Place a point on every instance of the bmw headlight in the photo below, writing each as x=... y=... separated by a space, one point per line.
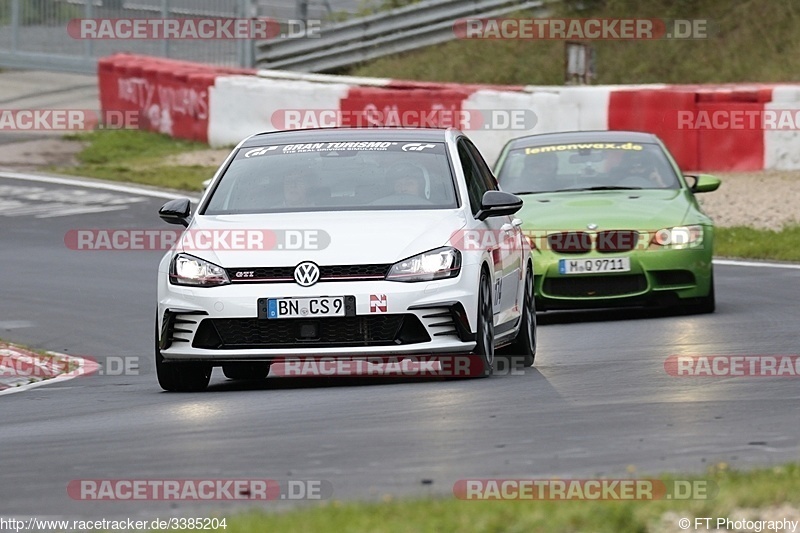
x=441 y=263
x=679 y=237
x=188 y=270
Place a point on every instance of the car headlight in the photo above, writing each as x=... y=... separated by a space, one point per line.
x=441 y=263
x=679 y=236
x=187 y=270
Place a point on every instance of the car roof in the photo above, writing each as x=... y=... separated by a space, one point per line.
x=351 y=134
x=583 y=137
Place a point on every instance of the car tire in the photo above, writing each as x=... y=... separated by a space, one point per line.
x=705 y=304
x=524 y=346
x=708 y=303
x=484 y=334
x=181 y=377
x=242 y=371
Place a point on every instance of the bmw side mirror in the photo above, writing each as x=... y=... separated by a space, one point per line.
x=498 y=203
x=704 y=183
x=176 y=211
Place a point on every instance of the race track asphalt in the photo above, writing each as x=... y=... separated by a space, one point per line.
x=597 y=402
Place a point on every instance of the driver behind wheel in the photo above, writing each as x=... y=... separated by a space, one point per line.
x=407 y=180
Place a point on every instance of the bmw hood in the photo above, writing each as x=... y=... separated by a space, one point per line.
x=334 y=238
x=648 y=210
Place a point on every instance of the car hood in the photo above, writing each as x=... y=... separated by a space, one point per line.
x=636 y=209
x=345 y=237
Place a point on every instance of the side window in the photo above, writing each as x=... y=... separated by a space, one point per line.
x=476 y=185
x=485 y=171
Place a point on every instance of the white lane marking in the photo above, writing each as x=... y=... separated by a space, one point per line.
x=16 y=324
x=41 y=202
x=80 y=363
x=95 y=185
x=759 y=264
x=82 y=211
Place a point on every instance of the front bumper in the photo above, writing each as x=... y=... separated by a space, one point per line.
x=221 y=324
x=656 y=277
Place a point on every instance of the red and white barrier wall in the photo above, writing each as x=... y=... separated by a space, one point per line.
x=166 y=96
x=222 y=105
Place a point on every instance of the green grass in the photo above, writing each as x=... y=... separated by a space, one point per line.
x=745 y=48
x=755 y=489
x=138 y=157
x=741 y=241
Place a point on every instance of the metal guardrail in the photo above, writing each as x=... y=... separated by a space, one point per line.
x=33 y=34
x=399 y=30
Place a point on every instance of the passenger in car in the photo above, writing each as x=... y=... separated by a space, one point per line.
x=646 y=169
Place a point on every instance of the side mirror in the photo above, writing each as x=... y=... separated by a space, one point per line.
x=176 y=211
x=704 y=183
x=498 y=203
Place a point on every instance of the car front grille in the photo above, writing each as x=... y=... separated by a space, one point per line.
x=285 y=274
x=352 y=331
x=595 y=286
x=570 y=242
x=579 y=242
x=616 y=241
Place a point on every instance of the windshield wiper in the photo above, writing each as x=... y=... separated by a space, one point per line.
x=596 y=188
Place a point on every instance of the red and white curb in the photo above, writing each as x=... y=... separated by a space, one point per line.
x=22 y=369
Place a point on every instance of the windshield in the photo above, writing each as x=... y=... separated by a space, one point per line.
x=587 y=166
x=335 y=176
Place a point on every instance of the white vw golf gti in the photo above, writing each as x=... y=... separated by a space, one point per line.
x=342 y=243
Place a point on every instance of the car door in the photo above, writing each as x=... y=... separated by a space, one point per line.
x=501 y=235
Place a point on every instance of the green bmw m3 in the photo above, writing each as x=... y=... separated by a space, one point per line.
x=612 y=221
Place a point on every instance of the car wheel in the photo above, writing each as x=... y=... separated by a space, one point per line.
x=238 y=371
x=524 y=345
x=181 y=377
x=484 y=348
x=706 y=304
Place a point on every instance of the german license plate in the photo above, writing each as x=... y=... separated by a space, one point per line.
x=319 y=307
x=590 y=266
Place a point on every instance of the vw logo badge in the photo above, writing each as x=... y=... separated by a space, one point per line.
x=306 y=274
x=591 y=225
